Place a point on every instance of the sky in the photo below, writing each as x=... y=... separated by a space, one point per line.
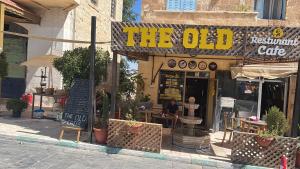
x=136 y=9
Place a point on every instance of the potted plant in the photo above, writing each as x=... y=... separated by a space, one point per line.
x=17 y=106
x=100 y=127
x=265 y=138
x=277 y=125
x=277 y=121
x=134 y=127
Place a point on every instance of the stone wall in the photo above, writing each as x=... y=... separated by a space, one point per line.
x=102 y=11
x=218 y=12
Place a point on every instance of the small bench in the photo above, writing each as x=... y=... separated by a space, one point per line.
x=63 y=128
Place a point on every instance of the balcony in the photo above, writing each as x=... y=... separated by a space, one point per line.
x=35 y=5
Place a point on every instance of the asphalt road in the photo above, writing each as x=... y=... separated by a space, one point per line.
x=24 y=155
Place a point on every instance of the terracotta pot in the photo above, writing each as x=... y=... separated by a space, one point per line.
x=298 y=159
x=134 y=129
x=264 y=141
x=100 y=135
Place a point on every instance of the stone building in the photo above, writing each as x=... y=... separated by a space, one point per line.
x=209 y=86
x=60 y=19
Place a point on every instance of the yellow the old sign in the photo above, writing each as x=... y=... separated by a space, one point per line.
x=192 y=38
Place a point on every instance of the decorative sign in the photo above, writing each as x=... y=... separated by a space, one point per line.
x=212 y=66
x=260 y=43
x=192 y=64
x=182 y=64
x=273 y=46
x=202 y=65
x=171 y=63
x=76 y=109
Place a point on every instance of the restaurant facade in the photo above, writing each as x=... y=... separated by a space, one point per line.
x=219 y=52
x=252 y=66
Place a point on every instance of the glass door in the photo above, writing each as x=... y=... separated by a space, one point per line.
x=247 y=97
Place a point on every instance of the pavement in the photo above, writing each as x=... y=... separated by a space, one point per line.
x=36 y=135
x=25 y=155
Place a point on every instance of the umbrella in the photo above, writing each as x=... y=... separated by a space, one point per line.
x=42 y=61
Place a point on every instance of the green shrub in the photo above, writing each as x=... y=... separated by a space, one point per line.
x=17 y=106
x=276 y=121
x=76 y=64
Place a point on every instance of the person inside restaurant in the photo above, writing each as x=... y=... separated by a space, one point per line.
x=172 y=110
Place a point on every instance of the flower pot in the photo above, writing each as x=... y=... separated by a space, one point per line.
x=17 y=114
x=39 y=90
x=134 y=129
x=298 y=159
x=100 y=135
x=264 y=141
x=49 y=91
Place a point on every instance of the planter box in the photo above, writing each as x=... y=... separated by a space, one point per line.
x=246 y=150
x=148 y=138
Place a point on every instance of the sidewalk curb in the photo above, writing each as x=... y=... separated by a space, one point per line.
x=110 y=150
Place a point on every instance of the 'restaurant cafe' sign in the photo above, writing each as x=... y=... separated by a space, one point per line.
x=264 y=42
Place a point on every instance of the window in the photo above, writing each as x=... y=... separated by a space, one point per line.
x=113 y=9
x=270 y=9
x=170 y=86
x=95 y=2
x=181 y=5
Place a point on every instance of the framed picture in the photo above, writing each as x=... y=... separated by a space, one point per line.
x=182 y=64
x=171 y=63
x=202 y=65
x=192 y=64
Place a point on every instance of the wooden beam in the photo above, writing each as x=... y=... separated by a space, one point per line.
x=296 y=115
x=114 y=87
x=2 y=13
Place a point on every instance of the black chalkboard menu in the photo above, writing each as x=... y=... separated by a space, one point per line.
x=76 y=109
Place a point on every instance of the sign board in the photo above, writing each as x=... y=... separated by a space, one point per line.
x=267 y=43
x=76 y=109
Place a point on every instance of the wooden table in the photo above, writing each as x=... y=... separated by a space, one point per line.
x=41 y=100
x=248 y=125
x=147 y=114
x=166 y=117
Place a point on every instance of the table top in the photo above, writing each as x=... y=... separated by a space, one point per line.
x=259 y=122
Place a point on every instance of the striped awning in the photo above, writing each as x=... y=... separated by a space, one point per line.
x=268 y=71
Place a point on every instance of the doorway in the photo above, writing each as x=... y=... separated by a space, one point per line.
x=197 y=87
x=272 y=95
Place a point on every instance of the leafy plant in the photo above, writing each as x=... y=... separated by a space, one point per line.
x=276 y=121
x=267 y=133
x=133 y=124
x=128 y=14
x=75 y=64
x=17 y=106
x=103 y=107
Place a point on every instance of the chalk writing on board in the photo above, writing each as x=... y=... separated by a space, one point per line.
x=76 y=109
